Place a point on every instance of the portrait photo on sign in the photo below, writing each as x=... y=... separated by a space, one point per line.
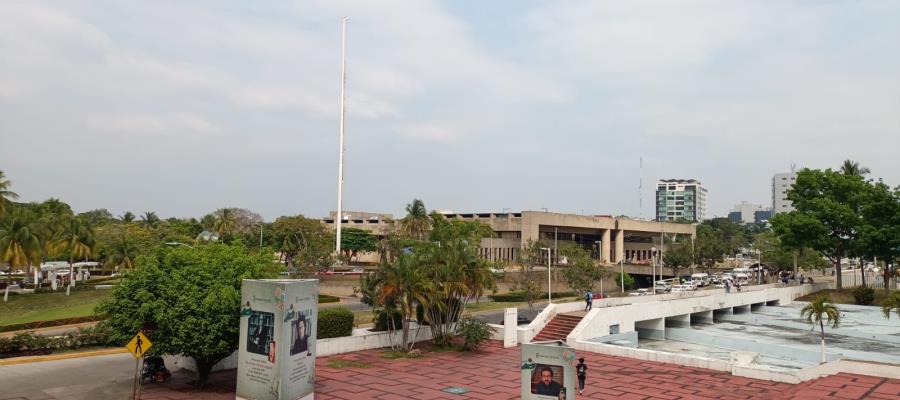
x=300 y=326
x=547 y=380
x=260 y=332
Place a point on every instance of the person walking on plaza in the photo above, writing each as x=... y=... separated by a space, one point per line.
x=728 y=286
x=588 y=301
x=581 y=369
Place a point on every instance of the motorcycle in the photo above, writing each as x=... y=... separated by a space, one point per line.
x=155 y=370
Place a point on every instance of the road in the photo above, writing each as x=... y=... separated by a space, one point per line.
x=89 y=378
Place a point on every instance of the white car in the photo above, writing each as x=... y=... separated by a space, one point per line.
x=682 y=288
x=640 y=292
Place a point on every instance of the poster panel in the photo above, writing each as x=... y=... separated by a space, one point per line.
x=548 y=371
x=276 y=350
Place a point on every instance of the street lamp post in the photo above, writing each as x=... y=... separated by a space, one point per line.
x=549 y=287
x=599 y=250
x=653 y=269
x=340 y=202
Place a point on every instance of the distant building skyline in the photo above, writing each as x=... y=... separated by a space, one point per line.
x=781 y=183
x=680 y=199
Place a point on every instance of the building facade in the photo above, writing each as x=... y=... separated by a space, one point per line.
x=747 y=213
x=609 y=239
x=781 y=183
x=680 y=200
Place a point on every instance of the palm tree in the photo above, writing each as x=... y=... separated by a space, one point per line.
x=150 y=219
x=79 y=241
x=19 y=243
x=128 y=217
x=816 y=310
x=5 y=193
x=891 y=304
x=405 y=281
x=122 y=252
x=225 y=221
x=416 y=223
x=852 y=168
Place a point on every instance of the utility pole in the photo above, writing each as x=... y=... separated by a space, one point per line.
x=340 y=202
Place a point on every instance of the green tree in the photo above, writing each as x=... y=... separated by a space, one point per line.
x=186 y=300
x=880 y=231
x=581 y=274
x=852 y=168
x=405 y=281
x=5 y=194
x=226 y=223
x=817 y=312
x=526 y=282
x=626 y=281
x=709 y=247
x=355 y=240
x=150 y=219
x=892 y=303
x=305 y=244
x=119 y=245
x=19 y=243
x=678 y=257
x=827 y=214
x=100 y=216
x=128 y=217
x=79 y=241
x=416 y=223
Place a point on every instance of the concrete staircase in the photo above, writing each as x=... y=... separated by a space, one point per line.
x=559 y=327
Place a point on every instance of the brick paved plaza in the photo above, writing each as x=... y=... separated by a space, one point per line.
x=494 y=374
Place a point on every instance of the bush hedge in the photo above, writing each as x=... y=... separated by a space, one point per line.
x=864 y=296
x=474 y=332
x=45 y=324
x=25 y=344
x=519 y=296
x=382 y=323
x=334 y=322
x=324 y=298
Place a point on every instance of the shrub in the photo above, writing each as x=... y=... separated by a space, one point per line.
x=44 y=324
x=29 y=343
x=420 y=312
x=382 y=323
x=520 y=296
x=474 y=332
x=864 y=296
x=334 y=322
x=324 y=298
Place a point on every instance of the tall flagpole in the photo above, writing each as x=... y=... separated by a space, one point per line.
x=339 y=216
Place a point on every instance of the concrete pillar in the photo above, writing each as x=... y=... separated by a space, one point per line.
x=651 y=329
x=703 y=317
x=604 y=246
x=679 y=321
x=510 y=327
x=620 y=245
x=722 y=312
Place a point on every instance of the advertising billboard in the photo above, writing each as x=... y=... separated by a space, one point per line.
x=277 y=348
x=548 y=371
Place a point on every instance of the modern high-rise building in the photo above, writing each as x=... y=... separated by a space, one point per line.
x=746 y=213
x=680 y=199
x=781 y=183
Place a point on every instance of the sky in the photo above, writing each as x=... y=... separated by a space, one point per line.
x=185 y=107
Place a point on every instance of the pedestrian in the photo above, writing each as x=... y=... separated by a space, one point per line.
x=581 y=369
x=588 y=301
x=728 y=286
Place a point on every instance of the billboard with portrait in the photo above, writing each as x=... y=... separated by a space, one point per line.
x=277 y=348
x=548 y=371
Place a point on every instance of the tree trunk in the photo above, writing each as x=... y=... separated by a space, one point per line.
x=822 y=328
x=838 y=284
x=862 y=272
x=204 y=366
x=406 y=345
x=71 y=279
x=886 y=272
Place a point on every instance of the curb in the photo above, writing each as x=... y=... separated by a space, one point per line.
x=65 y=356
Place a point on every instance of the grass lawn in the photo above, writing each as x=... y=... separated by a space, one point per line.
x=845 y=296
x=24 y=308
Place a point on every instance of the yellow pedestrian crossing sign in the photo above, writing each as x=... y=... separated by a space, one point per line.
x=139 y=345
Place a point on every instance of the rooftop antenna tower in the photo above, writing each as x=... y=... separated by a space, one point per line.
x=641 y=189
x=793 y=167
x=340 y=202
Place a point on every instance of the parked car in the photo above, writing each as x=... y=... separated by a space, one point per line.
x=682 y=288
x=640 y=292
x=700 y=279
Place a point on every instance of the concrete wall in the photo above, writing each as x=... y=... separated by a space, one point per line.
x=677 y=307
